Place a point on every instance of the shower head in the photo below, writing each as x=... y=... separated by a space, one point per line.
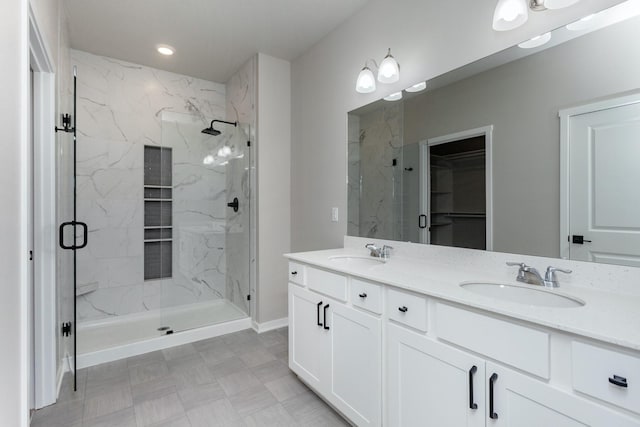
x=215 y=132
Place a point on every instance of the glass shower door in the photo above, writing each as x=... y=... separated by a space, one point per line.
x=205 y=250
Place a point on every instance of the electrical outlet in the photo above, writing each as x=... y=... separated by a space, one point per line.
x=334 y=214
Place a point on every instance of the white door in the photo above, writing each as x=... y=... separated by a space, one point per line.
x=431 y=384
x=356 y=369
x=604 y=197
x=521 y=401
x=308 y=339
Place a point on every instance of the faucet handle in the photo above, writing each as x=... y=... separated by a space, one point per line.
x=516 y=264
x=370 y=245
x=550 y=275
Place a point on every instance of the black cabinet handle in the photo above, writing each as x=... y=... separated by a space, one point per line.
x=325 y=317
x=472 y=404
x=293 y=273
x=619 y=381
x=318 y=312
x=403 y=309
x=492 y=381
x=362 y=295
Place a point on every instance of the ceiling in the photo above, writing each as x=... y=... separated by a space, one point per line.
x=212 y=38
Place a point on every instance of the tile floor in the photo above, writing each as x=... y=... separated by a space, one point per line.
x=240 y=379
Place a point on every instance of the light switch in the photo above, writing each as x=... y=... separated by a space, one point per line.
x=334 y=214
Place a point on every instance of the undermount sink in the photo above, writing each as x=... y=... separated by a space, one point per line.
x=523 y=295
x=355 y=261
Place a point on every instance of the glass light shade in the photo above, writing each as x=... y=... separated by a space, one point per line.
x=366 y=83
x=396 y=96
x=582 y=24
x=389 y=71
x=559 y=4
x=417 y=87
x=536 y=41
x=510 y=14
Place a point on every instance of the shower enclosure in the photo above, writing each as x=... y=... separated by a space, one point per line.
x=168 y=241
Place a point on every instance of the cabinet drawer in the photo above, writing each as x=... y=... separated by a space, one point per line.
x=515 y=345
x=331 y=284
x=366 y=295
x=594 y=369
x=296 y=273
x=407 y=308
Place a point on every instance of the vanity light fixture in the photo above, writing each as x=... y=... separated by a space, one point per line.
x=536 y=41
x=388 y=72
x=582 y=24
x=396 y=96
x=510 y=14
x=165 y=49
x=417 y=87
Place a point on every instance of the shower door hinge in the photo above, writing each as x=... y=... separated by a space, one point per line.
x=248 y=143
x=248 y=297
x=66 y=329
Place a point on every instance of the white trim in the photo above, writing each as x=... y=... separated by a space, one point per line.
x=565 y=157
x=487 y=132
x=270 y=325
x=44 y=214
x=160 y=343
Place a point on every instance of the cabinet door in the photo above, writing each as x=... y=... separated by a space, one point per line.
x=308 y=341
x=356 y=368
x=432 y=384
x=519 y=400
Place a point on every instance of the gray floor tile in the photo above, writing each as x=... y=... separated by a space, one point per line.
x=286 y=387
x=97 y=388
x=252 y=400
x=272 y=338
x=218 y=413
x=271 y=370
x=192 y=375
x=280 y=351
x=154 y=356
x=106 y=371
x=201 y=395
x=158 y=410
x=153 y=389
x=210 y=343
x=273 y=416
x=58 y=415
x=240 y=381
x=179 y=351
x=123 y=418
x=147 y=372
x=107 y=403
x=306 y=406
x=227 y=367
x=257 y=357
x=179 y=421
x=216 y=354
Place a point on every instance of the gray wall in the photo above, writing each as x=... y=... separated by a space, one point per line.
x=426 y=39
x=522 y=99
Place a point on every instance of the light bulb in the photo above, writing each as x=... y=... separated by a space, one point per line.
x=510 y=14
x=389 y=71
x=164 y=49
x=366 y=83
x=396 y=96
x=208 y=159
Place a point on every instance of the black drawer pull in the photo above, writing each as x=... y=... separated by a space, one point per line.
x=492 y=381
x=472 y=404
x=362 y=295
x=325 y=317
x=403 y=309
x=293 y=273
x=619 y=381
x=318 y=312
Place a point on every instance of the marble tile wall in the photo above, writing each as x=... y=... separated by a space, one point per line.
x=380 y=203
x=241 y=232
x=121 y=107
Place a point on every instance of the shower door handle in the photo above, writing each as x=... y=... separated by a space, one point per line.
x=85 y=233
x=421 y=218
x=235 y=204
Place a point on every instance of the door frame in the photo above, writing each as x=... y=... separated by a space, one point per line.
x=565 y=157
x=44 y=214
x=425 y=184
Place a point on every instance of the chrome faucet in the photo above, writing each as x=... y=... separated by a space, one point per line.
x=530 y=275
x=384 y=252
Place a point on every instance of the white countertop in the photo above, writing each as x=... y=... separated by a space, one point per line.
x=610 y=317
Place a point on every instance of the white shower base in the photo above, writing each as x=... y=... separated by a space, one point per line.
x=119 y=337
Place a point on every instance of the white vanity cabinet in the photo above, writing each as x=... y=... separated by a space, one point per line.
x=336 y=349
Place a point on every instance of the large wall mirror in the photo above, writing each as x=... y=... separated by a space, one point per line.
x=533 y=150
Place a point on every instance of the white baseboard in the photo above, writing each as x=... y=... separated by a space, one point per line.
x=160 y=343
x=270 y=325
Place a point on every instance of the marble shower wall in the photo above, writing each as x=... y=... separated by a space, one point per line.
x=380 y=202
x=120 y=109
x=241 y=257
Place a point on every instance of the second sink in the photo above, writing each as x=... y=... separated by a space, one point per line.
x=523 y=295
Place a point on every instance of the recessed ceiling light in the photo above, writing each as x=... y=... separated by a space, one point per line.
x=417 y=87
x=582 y=24
x=164 y=49
x=393 y=97
x=536 y=41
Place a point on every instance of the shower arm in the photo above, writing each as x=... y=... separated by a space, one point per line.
x=235 y=124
